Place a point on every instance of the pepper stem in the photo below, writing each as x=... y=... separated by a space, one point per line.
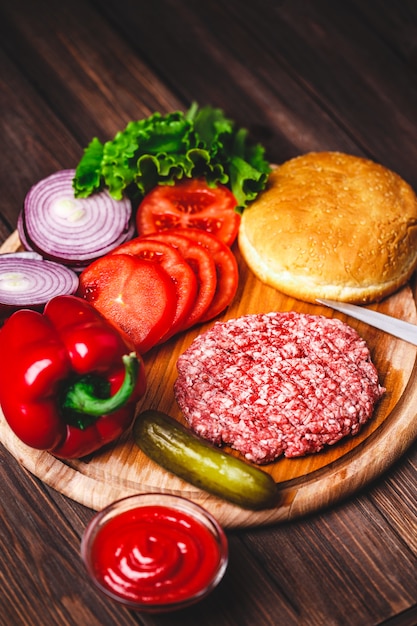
x=82 y=396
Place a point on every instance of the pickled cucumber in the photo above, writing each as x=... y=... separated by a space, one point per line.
x=178 y=450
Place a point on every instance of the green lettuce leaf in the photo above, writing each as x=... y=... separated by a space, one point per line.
x=162 y=149
x=88 y=173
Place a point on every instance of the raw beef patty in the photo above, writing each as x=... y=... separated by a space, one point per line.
x=277 y=383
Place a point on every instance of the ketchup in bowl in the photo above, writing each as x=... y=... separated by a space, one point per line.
x=155 y=552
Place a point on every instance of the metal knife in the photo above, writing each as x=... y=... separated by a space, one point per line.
x=393 y=326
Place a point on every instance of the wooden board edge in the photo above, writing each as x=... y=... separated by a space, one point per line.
x=298 y=497
x=11 y=244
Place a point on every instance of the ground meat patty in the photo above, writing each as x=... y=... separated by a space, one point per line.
x=277 y=383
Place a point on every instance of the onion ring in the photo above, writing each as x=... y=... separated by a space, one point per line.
x=69 y=230
x=77 y=268
x=27 y=281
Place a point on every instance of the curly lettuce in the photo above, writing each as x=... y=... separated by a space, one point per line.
x=162 y=149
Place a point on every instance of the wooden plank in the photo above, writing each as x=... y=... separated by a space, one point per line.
x=305 y=82
x=30 y=156
x=59 y=49
x=307 y=552
x=396 y=28
x=41 y=541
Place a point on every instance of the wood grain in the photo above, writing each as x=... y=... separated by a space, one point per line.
x=306 y=484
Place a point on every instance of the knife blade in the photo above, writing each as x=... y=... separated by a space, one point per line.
x=396 y=327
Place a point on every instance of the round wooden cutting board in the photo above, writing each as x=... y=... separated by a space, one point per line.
x=305 y=485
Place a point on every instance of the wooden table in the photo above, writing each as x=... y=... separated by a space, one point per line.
x=301 y=76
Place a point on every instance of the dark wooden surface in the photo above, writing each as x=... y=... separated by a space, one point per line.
x=301 y=76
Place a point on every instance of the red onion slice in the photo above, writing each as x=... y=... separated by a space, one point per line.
x=72 y=230
x=22 y=234
x=130 y=233
x=30 y=282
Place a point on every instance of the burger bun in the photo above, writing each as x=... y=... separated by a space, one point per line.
x=332 y=225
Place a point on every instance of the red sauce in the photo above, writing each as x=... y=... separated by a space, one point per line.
x=155 y=555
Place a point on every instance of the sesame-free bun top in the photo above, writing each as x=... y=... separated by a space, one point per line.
x=332 y=225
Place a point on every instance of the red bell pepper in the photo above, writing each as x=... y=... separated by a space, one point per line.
x=69 y=382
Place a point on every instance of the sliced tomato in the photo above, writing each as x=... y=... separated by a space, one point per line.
x=226 y=270
x=190 y=203
x=176 y=266
x=138 y=297
x=202 y=263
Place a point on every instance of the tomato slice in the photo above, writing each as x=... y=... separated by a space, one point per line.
x=190 y=203
x=138 y=297
x=176 y=266
x=202 y=263
x=227 y=271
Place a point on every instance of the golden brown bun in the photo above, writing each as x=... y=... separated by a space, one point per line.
x=332 y=225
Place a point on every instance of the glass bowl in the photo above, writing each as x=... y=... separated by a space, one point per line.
x=155 y=552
